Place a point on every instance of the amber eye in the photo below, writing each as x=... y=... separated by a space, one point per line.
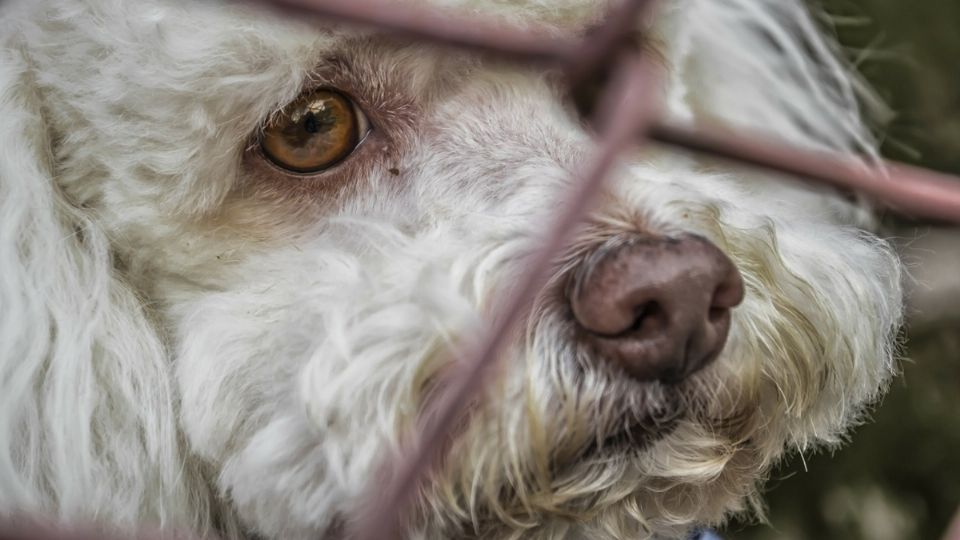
x=313 y=133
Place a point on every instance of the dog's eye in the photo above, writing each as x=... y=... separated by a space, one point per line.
x=315 y=132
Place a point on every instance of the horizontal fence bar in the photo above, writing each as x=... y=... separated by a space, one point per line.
x=908 y=190
x=916 y=192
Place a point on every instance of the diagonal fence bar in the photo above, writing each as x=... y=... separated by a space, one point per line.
x=623 y=117
x=910 y=190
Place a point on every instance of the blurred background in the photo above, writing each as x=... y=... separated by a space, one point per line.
x=900 y=476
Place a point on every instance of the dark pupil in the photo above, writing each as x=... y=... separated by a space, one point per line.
x=313 y=123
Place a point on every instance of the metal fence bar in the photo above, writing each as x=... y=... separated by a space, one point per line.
x=921 y=193
x=633 y=116
x=626 y=114
x=33 y=529
x=906 y=189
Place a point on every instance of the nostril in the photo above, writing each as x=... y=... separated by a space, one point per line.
x=716 y=314
x=658 y=307
x=648 y=318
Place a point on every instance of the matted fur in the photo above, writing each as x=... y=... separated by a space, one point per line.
x=192 y=339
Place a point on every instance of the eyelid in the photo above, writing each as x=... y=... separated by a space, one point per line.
x=364 y=126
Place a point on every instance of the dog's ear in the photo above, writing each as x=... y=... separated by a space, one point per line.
x=793 y=81
x=87 y=418
x=768 y=67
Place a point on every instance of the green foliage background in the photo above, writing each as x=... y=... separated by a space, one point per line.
x=910 y=51
x=900 y=477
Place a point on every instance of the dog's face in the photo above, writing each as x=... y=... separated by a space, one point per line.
x=319 y=218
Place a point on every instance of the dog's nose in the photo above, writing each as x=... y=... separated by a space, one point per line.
x=657 y=306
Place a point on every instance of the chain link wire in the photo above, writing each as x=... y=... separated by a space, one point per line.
x=620 y=80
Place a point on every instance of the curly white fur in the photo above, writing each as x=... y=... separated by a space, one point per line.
x=191 y=339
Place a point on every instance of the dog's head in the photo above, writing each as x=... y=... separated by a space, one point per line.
x=240 y=253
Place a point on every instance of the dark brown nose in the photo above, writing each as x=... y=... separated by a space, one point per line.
x=657 y=306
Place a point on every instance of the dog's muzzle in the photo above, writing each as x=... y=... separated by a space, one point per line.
x=659 y=307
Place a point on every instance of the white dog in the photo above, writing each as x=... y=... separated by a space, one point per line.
x=239 y=252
